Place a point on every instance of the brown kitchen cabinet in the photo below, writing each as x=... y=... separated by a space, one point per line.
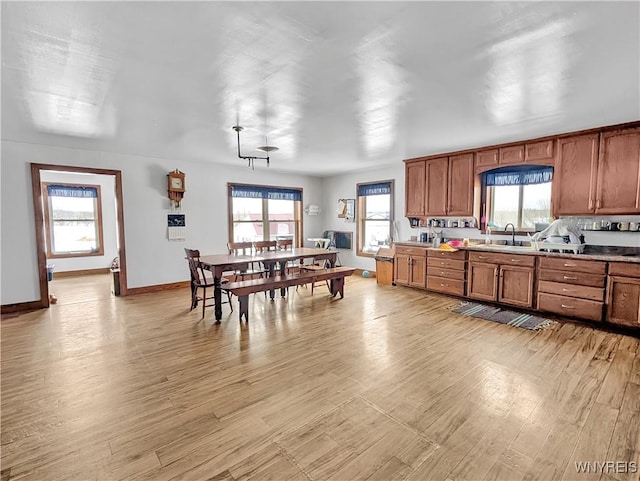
x=414 y=192
x=503 y=278
x=446 y=271
x=539 y=152
x=436 y=186
x=486 y=159
x=574 y=176
x=618 y=181
x=513 y=154
x=515 y=286
x=410 y=266
x=449 y=186
x=571 y=287
x=482 y=281
x=623 y=294
x=598 y=174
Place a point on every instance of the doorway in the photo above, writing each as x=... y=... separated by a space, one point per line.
x=48 y=248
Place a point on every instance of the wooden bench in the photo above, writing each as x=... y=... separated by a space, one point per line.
x=242 y=289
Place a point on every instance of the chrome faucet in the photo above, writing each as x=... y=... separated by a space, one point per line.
x=513 y=233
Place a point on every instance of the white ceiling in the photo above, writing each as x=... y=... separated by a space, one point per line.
x=336 y=86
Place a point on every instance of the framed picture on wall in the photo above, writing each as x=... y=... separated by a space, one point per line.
x=346 y=209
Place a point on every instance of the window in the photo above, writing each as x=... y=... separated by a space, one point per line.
x=259 y=213
x=521 y=196
x=375 y=217
x=73 y=220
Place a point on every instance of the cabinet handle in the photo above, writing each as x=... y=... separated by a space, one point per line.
x=590 y=203
x=567 y=307
x=598 y=204
x=567 y=290
x=442 y=273
x=444 y=285
x=516 y=260
x=570 y=278
x=482 y=257
x=570 y=265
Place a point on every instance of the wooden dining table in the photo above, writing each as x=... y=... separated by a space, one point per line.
x=274 y=261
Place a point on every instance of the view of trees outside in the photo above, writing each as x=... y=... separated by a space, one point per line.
x=73 y=222
x=377 y=222
x=249 y=224
x=535 y=208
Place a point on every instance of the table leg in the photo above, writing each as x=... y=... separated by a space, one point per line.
x=283 y=272
x=272 y=273
x=217 y=298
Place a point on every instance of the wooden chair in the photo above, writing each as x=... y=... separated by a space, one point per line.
x=201 y=279
x=245 y=249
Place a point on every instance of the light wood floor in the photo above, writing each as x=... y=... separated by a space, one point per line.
x=384 y=384
x=83 y=288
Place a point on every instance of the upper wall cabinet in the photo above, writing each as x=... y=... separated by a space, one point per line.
x=440 y=186
x=450 y=186
x=618 y=184
x=574 y=176
x=539 y=153
x=414 y=192
x=590 y=182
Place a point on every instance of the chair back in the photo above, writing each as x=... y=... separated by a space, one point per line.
x=285 y=244
x=195 y=268
x=262 y=246
x=240 y=248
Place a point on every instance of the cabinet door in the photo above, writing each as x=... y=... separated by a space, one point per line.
x=511 y=155
x=618 y=189
x=623 y=301
x=486 y=159
x=460 y=193
x=539 y=152
x=574 y=176
x=414 y=177
x=402 y=269
x=516 y=286
x=418 y=272
x=482 y=281
x=436 y=197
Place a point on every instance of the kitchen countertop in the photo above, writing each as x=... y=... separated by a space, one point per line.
x=594 y=256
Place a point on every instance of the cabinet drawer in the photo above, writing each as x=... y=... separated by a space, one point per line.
x=566 y=277
x=459 y=255
x=450 y=286
x=582 y=292
x=570 y=306
x=445 y=263
x=446 y=273
x=627 y=269
x=573 y=265
x=411 y=251
x=504 y=259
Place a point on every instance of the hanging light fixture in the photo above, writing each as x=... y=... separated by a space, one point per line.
x=265 y=148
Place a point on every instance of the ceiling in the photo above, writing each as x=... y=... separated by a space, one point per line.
x=337 y=86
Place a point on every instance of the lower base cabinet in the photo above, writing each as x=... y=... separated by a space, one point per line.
x=516 y=286
x=482 y=281
x=623 y=294
x=496 y=278
x=570 y=306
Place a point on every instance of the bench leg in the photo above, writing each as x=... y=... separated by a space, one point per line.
x=243 y=308
x=337 y=287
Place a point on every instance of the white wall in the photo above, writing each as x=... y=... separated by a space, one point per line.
x=151 y=258
x=344 y=187
x=109 y=226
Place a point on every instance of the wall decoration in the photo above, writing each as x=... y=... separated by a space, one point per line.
x=176 y=227
x=346 y=209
